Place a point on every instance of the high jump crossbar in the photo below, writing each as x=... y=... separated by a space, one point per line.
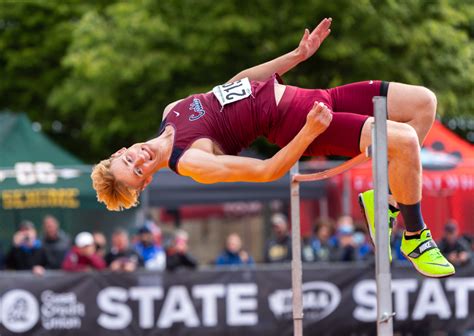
x=378 y=151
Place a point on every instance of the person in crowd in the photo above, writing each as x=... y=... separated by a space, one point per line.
x=153 y=255
x=320 y=247
x=278 y=248
x=363 y=245
x=346 y=249
x=155 y=230
x=342 y=221
x=121 y=256
x=100 y=243
x=26 y=252
x=83 y=257
x=56 y=243
x=455 y=247
x=177 y=255
x=233 y=253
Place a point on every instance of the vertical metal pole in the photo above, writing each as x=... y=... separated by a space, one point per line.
x=380 y=176
x=346 y=194
x=296 y=271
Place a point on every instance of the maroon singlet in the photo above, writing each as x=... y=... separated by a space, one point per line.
x=232 y=127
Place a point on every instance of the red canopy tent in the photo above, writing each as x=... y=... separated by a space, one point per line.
x=448 y=181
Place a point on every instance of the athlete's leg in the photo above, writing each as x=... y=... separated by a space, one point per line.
x=414 y=105
x=404 y=170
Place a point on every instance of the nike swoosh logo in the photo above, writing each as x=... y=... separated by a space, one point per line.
x=443 y=265
x=177 y=113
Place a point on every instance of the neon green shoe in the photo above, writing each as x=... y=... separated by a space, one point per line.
x=426 y=257
x=366 y=202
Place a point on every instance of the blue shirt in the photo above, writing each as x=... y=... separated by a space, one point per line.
x=148 y=252
x=229 y=258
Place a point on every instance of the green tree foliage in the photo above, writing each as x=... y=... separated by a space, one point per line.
x=107 y=70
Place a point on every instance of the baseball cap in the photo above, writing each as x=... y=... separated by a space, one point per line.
x=450 y=227
x=144 y=229
x=84 y=239
x=279 y=220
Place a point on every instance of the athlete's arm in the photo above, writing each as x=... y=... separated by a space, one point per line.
x=308 y=45
x=205 y=167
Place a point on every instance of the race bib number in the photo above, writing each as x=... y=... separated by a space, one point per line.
x=232 y=92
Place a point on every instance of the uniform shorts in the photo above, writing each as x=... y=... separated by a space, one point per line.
x=351 y=105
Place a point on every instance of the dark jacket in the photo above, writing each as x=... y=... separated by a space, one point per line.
x=278 y=251
x=128 y=254
x=176 y=260
x=56 y=250
x=24 y=257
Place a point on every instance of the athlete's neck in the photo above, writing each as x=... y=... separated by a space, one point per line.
x=162 y=146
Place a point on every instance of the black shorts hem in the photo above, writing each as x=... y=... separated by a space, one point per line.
x=384 y=88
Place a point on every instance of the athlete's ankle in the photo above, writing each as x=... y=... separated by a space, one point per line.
x=412 y=233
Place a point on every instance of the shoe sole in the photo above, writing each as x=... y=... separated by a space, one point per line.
x=369 y=227
x=435 y=276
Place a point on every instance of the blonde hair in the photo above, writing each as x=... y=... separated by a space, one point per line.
x=113 y=193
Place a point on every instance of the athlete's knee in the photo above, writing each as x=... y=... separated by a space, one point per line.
x=403 y=140
x=427 y=102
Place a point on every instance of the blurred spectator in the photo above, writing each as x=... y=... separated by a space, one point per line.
x=155 y=230
x=233 y=253
x=2 y=258
x=100 y=243
x=342 y=221
x=26 y=252
x=121 y=257
x=55 y=242
x=83 y=257
x=363 y=243
x=278 y=248
x=396 y=241
x=177 y=255
x=319 y=246
x=469 y=238
x=453 y=246
x=346 y=248
x=153 y=255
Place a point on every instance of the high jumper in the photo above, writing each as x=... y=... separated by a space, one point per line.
x=201 y=135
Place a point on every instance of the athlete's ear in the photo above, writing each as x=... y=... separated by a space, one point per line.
x=119 y=152
x=146 y=182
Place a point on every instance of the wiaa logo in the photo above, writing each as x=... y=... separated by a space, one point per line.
x=19 y=310
x=320 y=299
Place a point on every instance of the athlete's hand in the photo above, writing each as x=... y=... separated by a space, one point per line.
x=311 y=42
x=319 y=118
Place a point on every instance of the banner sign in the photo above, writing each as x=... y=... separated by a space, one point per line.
x=338 y=299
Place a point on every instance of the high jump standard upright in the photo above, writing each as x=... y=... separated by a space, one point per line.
x=378 y=151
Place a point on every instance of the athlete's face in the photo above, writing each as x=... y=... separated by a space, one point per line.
x=134 y=166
